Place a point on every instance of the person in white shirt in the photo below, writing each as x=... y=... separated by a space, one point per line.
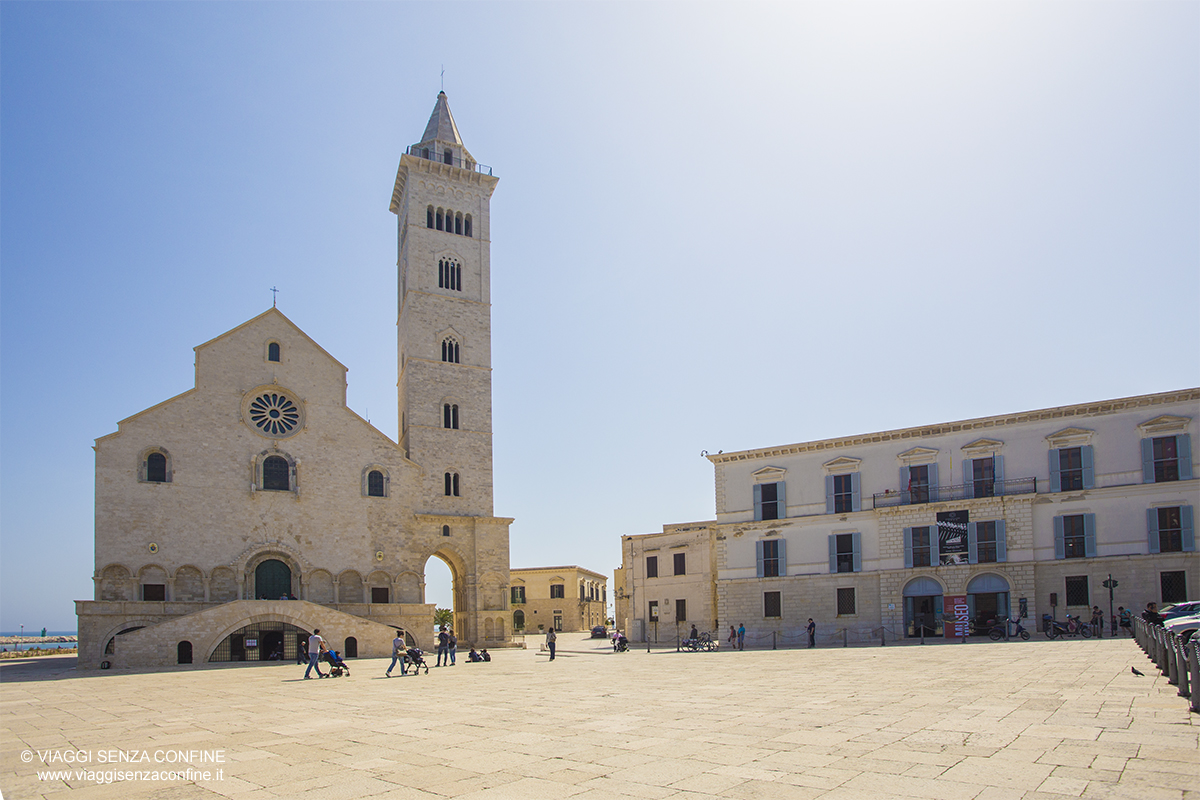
x=315 y=644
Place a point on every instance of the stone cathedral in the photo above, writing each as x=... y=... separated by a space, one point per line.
x=235 y=518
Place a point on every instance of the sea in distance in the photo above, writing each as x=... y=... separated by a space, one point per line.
x=37 y=633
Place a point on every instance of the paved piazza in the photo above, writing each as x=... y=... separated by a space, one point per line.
x=992 y=721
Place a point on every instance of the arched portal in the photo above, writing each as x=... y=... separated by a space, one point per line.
x=923 y=607
x=272 y=580
x=987 y=601
x=445 y=587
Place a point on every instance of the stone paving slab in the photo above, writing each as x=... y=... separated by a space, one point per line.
x=1036 y=720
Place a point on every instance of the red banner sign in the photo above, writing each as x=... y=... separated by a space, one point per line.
x=957 y=616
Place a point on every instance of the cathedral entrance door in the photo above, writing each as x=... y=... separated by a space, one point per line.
x=272 y=580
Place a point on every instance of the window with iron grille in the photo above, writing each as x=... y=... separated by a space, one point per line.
x=275 y=474
x=1077 y=591
x=845 y=602
x=772 y=605
x=1173 y=586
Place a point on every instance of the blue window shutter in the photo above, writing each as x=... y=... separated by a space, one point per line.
x=1152 y=526
x=935 y=551
x=781 y=500
x=857 y=551
x=757 y=501
x=782 y=557
x=832 y=552
x=828 y=494
x=1060 y=549
x=905 y=497
x=968 y=479
x=758 y=554
x=1001 y=541
x=1187 y=531
x=908 y=561
x=933 y=483
x=972 y=544
x=998 y=473
x=1055 y=473
x=1089 y=472
x=856 y=492
x=1089 y=535
x=1148 y=463
x=1183 y=449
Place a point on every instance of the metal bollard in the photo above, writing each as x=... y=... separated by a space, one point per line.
x=844 y=638
x=1172 y=664
x=1194 y=668
x=1181 y=657
x=773 y=647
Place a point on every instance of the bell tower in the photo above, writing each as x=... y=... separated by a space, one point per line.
x=441 y=199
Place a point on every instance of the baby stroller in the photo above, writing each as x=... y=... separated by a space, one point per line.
x=622 y=644
x=416 y=658
x=337 y=667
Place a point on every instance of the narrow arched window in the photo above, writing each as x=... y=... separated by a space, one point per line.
x=457 y=274
x=452 y=484
x=441 y=274
x=458 y=223
x=450 y=351
x=445 y=530
x=467 y=225
x=156 y=468
x=425 y=154
x=448 y=156
x=273 y=351
x=450 y=416
x=439 y=220
x=429 y=214
x=375 y=483
x=275 y=474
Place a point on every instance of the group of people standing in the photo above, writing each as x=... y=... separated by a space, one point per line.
x=737 y=636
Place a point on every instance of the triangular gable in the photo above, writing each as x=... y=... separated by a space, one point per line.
x=1167 y=423
x=842 y=464
x=768 y=474
x=918 y=455
x=262 y=316
x=1070 y=437
x=983 y=446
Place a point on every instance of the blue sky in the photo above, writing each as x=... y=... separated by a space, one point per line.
x=718 y=226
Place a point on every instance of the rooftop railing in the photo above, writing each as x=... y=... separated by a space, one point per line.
x=962 y=491
x=447 y=157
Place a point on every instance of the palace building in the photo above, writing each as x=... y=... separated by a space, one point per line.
x=233 y=519
x=922 y=531
x=545 y=597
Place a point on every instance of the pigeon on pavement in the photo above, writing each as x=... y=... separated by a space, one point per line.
x=1135 y=672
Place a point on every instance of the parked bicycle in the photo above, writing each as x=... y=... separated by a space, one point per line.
x=703 y=641
x=1074 y=626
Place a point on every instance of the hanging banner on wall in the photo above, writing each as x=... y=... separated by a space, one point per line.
x=952 y=536
x=957 y=615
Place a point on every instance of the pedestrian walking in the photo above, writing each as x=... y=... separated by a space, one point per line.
x=451 y=646
x=1126 y=618
x=443 y=648
x=315 y=644
x=741 y=633
x=398 y=651
x=551 y=638
x=812 y=632
x=1097 y=621
x=732 y=637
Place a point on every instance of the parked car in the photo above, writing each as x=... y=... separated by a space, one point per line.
x=599 y=632
x=1185 y=609
x=1184 y=626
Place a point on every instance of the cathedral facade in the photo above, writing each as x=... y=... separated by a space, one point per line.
x=235 y=518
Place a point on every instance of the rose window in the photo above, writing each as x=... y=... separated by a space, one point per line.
x=274 y=414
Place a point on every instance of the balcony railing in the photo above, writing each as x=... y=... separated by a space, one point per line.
x=431 y=154
x=963 y=491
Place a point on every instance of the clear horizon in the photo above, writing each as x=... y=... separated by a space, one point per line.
x=719 y=228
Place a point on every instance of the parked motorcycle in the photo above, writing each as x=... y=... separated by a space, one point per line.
x=1074 y=626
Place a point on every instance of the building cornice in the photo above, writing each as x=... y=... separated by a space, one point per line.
x=1082 y=410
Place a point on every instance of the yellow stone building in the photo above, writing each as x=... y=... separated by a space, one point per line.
x=567 y=598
